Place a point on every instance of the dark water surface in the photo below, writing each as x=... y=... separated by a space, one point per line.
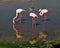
x=7 y=12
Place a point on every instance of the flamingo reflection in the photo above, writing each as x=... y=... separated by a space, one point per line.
x=43 y=12
x=17 y=23
x=34 y=16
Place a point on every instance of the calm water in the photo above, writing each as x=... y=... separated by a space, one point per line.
x=7 y=12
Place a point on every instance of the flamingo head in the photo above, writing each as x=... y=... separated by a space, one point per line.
x=40 y=10
x=20 y=10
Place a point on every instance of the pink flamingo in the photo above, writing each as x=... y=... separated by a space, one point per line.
x=18 y=15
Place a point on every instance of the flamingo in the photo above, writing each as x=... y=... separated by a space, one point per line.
x=18 y=15
x=43 y=12
x=34 y=16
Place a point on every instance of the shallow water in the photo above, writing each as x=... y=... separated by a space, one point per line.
x=7 y=12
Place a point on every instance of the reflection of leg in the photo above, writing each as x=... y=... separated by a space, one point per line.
x=14 y=27
x=19 y=38
x=34 y=38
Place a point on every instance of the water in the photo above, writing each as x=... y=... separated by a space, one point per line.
x=7 y=12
